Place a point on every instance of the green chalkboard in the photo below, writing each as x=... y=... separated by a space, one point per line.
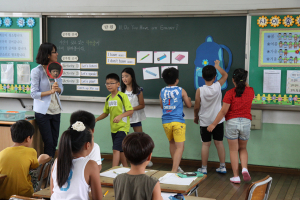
x=10 y=43
x=256 y=72
x=145 y=34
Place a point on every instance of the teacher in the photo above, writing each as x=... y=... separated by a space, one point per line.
x=46 y=103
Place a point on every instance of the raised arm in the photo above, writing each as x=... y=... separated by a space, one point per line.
x=197 y=106
x=222 y=72
x=186 y=99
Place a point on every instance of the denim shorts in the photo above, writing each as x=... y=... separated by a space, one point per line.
x=238 y=128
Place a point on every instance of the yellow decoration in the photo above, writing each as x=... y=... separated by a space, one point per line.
x=262 y=21
x=298 y=20
x=288 y=21
x=275 y=21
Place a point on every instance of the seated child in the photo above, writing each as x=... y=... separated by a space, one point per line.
x=72 y=172
x=88 y=119
x=16 y=161
x=135 y=184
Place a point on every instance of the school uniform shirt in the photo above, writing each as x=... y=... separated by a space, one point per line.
x=76 y=186
x=115 y=106
x=171 y=97
x=15 y=162
x=239 y=106
x=138 y=115
x=211 y=97
x=134 y=187
x=95 y=154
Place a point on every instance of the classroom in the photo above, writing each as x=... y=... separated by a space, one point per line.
x=95 y=38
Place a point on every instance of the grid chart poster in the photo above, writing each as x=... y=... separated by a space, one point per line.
x=293 y=82
x=16 y=45
x=279 y=48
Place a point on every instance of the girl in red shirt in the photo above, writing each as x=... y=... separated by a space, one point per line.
x=237 y=111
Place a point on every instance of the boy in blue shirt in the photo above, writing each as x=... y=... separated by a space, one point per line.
x=171 y=101
x=118 y=106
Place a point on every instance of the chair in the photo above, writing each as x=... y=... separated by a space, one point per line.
x=17 y=197
x=39 y=173
x=259 y=190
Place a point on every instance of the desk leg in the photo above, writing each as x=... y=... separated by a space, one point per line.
x=193 y=190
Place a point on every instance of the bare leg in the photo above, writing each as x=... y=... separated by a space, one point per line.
x=221 y=150
x=243 y=153
x=177 y=155
x=138 y=129
x=123 y=159
x=205 y=152
x=234 y=156
x=172 y=148
x=116 y=158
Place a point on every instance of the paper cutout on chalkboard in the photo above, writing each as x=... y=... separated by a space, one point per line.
x=7 y=21
x=272 y=81
x=162 y=57
x=21 y=22
x=206 y=54
x=166 y=67
x=144 y=57
x=150 y=73
x=293 y=82
x=71 y=81
x=288 y=21
x=71 y=73
x=7 y=73
x=30 y=22
x=88 y=88
x=23 y=73
x=0 y=21
x=297 y=21
x=275 y=21
x=262 y=21
x=180 y=57
x=70 y=65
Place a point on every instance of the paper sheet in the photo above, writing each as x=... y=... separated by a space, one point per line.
x=165 y=195
x=115 y=172
x=172 y=178
x=162 y=57
x=151 y=73
x=180 y=57
x=7 y=73
x=23 y=73
x=144 y=57
x=272 y=81
x=293 y=82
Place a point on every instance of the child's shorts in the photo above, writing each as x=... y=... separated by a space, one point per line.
x=217 y=133
x=136 y=124
x=175 y=130
x=118 y=138
x=238 y=128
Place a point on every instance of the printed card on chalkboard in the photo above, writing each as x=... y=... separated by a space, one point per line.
x=279 y=47
x=162 y=57
x=151 y=73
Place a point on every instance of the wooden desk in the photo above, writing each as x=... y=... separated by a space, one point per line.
x=183 y=189
x=6 y=141
x=2 y=177
x=46 y=193
x=106 y=181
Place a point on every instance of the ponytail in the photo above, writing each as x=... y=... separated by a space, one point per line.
x=240 y=78
x=71 y=141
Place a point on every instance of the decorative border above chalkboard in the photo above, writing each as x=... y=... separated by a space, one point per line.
x=279 y=47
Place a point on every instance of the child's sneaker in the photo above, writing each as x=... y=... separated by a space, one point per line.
x=179 y=169
x=202 y=170
x=235 y=179
x=221 y=170
x=246 y=175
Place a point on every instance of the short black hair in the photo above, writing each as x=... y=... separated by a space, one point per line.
x=87 y=118
x=137 y=147
x=43 y=53
x=21 y=130
x=209 y=72
x=53 y=66
x=170 y=75
x=113 y=76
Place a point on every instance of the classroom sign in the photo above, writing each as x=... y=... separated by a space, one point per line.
x=279 y=48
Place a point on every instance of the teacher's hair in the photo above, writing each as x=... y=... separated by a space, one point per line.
x=240 y=78
x=43 y=53
x=71 y=141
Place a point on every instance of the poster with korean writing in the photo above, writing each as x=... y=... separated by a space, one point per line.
x=293 y=82
x=279 y=47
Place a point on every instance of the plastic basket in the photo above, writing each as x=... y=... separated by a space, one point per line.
x=5 y=116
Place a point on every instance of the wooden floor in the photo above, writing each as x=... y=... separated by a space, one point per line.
x=218 y=186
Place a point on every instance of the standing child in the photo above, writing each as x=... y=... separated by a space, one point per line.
x=72 y=172
x=171 y=101
x=135 y=184
x=237 y=111
x=207 y=105
x=119 y=108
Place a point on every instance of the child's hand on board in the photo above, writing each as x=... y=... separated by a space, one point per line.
x=210 y=128
x=117 y=119
x=217 y=63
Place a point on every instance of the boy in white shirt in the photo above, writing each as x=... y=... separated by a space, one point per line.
x=88 y=119
x=210 y=97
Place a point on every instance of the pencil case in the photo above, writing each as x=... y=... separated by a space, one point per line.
x=190 y=174
x=177 y=197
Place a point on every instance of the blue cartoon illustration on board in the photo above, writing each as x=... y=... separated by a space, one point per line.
x=206 y=54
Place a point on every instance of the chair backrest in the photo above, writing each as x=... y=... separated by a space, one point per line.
x=17 y=197
x=259 y=190
x=40 y=172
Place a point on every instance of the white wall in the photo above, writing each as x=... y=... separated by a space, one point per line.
x=141 y=5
